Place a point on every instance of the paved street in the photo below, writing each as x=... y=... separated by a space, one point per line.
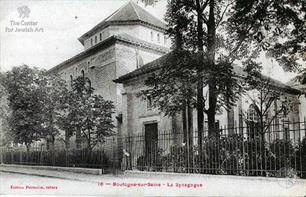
x=13 y=183
x=140 y=184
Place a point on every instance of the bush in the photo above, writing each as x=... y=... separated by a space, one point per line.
x=71 y=158
x=234 y=155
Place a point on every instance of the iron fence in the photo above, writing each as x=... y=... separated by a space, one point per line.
x=279 y=151
x=101 y=157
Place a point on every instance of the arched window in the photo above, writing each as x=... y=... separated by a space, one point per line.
x=158 y=38
x=152 y=36
x=252 y=122
x=251 y=114
x=83 y=73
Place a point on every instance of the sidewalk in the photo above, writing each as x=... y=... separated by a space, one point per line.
x=54 y=173
x=176 y=183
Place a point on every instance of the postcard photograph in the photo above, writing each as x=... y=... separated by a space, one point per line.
x=153 y=97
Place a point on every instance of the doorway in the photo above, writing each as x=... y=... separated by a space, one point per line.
x=151 y=143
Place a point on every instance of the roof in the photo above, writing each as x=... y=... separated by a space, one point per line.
x=298 y=83
x=158 y=64
x=147 y=68
x=130 y=13
x=125 y=38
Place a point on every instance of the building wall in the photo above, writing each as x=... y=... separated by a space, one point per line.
x=105 y=66
x=136 y=112
x=128 y=59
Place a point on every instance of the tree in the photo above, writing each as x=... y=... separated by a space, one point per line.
x=53 y=90
x=4 y=113
x=88 y=113
x=25 y=103
x=224 y=32
x=269 y=101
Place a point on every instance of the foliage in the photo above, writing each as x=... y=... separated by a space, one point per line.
x=55 y=157
x=53 y=90
x=300 y=160
x=173 y=87
x=269 y=101
x=34 y=100
x=278 y=27
x=88 y=113
x=24 y=95
x=233 y=155
x=5 y=136
x=221 y=33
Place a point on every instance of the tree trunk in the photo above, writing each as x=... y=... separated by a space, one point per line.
x=200 y=98
x=211 y=49
x=190 y=138
x=48 y=145
x=67 y=140
x=28 y=147
x=78 y=138
x=184 y=119
x=211 y=113
x=53 y=142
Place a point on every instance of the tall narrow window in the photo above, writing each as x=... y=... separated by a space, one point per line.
x=100 y=36
x=91 y=42
x=83 y=73
x=152 y=37
x=96 y=39
x=252 y=122
x=149 y=103
x=165 y=39
x=158 y=38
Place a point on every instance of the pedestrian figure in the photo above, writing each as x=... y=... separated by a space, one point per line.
x=127 y=158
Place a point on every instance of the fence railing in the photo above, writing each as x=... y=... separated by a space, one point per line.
x=243 y=151
x=100 y=157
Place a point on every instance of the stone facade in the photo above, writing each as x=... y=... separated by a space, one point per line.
x=121 y=49
x=137 y=112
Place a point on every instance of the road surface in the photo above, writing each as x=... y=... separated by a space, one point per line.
x=152 y=185
x=13 y=183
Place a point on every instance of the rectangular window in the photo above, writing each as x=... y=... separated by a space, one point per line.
x=91 y=42
x=100 y=36
x=96 y=39
x=149 y=103
x=152 y=37
x=158 y=38
x=165 y=39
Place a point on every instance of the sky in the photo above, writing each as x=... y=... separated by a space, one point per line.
x=59 y=23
